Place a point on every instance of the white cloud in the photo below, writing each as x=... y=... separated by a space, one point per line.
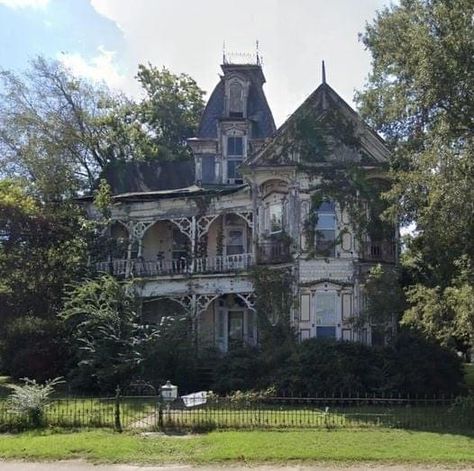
x=38 y=4
x=100 y=68
x=294 y=37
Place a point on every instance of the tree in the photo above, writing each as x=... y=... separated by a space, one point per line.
x=171 y=109
x=43 y=247
x=384 y=301
x=419 y=95
x=59 y=131
x=108 y=336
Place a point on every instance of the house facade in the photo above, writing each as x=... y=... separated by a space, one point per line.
x=192 y=235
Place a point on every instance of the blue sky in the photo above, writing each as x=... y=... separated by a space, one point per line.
x=107 y=39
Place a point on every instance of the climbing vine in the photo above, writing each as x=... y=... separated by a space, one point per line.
x=273 y=301
x=328 y=149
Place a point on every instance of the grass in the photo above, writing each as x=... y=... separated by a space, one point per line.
x=256 y=446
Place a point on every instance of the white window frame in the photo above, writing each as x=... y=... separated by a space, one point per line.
x=270 y=206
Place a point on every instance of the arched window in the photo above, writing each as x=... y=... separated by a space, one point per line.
x=236 y=100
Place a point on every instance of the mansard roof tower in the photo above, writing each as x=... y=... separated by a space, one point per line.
x=234 y=125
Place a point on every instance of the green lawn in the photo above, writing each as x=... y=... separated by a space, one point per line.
x=342 y=445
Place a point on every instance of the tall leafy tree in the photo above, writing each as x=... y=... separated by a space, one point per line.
x=171 y=109
x=106 y=329
x=42 y=248
x=419 y=95
x=59 y=131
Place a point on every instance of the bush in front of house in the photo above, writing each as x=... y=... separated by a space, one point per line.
x=410 y=365
x=418 y=366
x=239 y=370
x=33 y=347
x=29 y=401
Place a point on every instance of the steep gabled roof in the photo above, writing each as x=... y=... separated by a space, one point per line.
x=320 y=103
x=258 y=110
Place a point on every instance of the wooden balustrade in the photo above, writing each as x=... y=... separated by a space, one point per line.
x=143 y=267
x=384 y=251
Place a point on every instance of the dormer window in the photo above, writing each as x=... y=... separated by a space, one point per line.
x=236 y=100
x=235 y=146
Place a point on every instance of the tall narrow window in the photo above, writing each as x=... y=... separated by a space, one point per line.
x=236 y=102
x=326 y=314
x=235 y=154
x=208 y=169
x=276 y=218
x=179 y=245
x=325 y=238
x=235 y=241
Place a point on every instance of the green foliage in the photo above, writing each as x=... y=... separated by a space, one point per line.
x=42 y=248
x=172 y=354
x=410 y=365
x=273 y=302
x=419 y=366
x=33 y=347
x=50 y=128
x=103 y=199
x=239 y=370
x=171 y=110
x=445 y=315
x=385 y=300
x=30 y=400
x=419 y=96
x=464 y=405
x=108 y=337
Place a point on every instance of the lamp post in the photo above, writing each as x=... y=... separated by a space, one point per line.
x=168 y=393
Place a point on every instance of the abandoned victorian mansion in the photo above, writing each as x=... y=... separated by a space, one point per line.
x=194 y=236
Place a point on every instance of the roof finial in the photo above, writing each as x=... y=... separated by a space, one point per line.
x=257 y=52
x=223 y=52
x=324 y=72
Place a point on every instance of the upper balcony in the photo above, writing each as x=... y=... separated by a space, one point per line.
x=379 y=251
x=273 y=252
x=141 y=267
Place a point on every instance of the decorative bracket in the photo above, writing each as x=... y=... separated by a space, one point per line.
x=185 y=225
x=247 y=216
x=137 y=229
x=248 y=299
x=204 y=223
x=203 y=301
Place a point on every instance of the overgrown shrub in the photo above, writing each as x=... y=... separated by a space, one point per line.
x=34 y=348
x=411 y=365
x=29 y=401
x=329 y=367
x=241 y=369
x=417 y=366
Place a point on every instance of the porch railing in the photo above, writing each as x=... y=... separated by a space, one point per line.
x=144 y=267
x=273 y=251
x=384 y=251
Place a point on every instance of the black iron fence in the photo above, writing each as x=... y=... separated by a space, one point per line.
x=250 y=412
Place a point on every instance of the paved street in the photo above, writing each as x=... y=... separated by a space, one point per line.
x=83 y=466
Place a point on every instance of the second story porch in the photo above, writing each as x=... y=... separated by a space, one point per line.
x=206 y=244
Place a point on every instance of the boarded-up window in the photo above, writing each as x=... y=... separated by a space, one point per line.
x=346 y=306
x=305 y=308
x=208 y=169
